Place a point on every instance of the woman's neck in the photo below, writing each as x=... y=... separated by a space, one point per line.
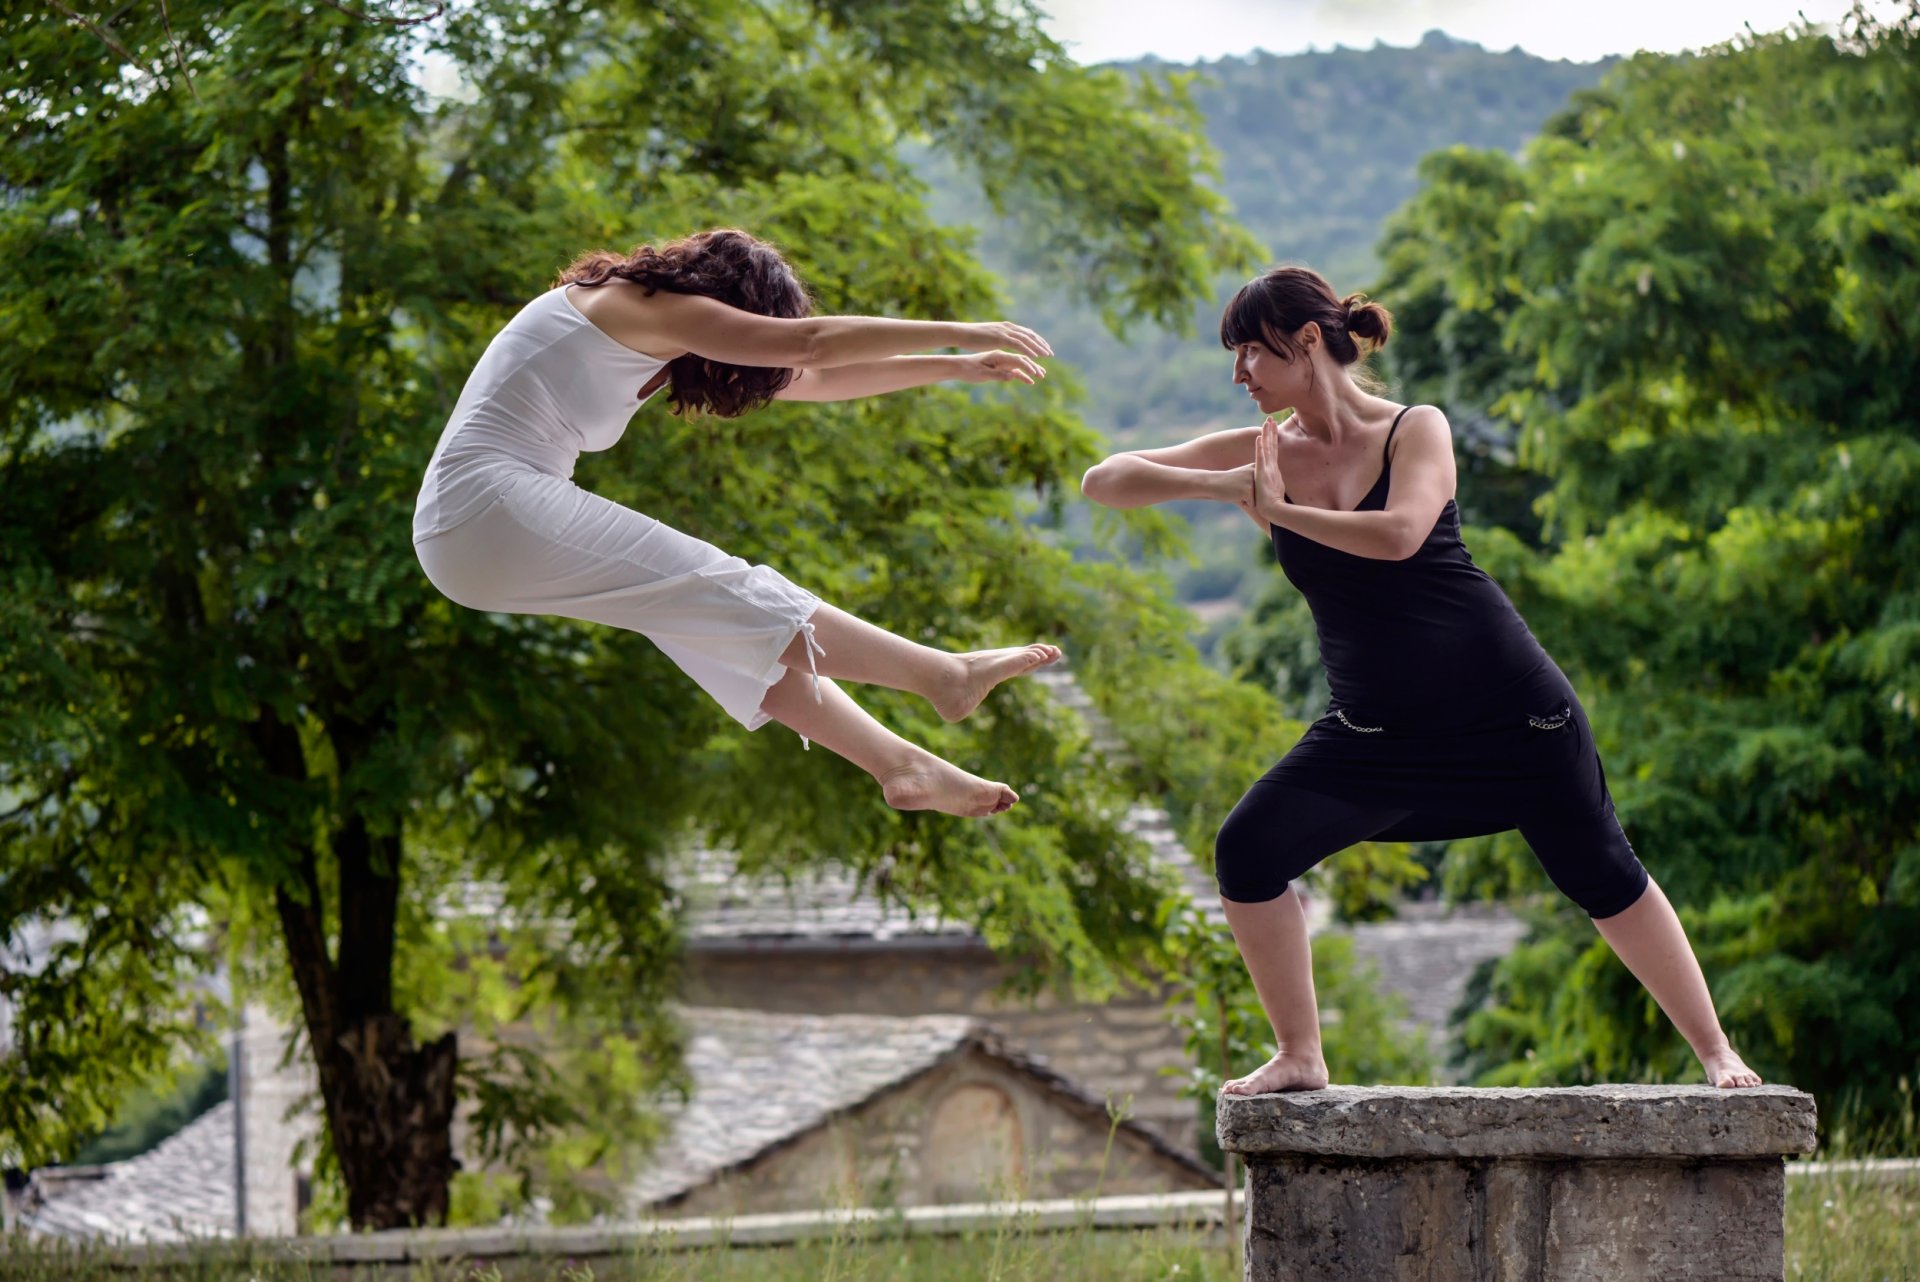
x=1336 y=408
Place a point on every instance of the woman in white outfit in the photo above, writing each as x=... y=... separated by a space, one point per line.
x=720 y=320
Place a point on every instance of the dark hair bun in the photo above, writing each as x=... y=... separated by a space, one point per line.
x=1367 y=320
x=1276 y=305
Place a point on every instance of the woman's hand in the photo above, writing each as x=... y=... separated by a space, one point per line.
x=987 y=335
x=1267 y=488
x=1236 y=487
x=999 y=367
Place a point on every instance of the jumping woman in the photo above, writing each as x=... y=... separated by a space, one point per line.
x=1447 y=718
x=720 y=320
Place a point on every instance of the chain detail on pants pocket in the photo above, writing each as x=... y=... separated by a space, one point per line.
x=1553 y=722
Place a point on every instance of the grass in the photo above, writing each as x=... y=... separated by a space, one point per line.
x=1010 y=1253
x=1840 y=1228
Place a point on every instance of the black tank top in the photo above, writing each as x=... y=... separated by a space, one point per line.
x=1427 y=642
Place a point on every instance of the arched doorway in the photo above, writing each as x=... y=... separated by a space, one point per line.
x=973 y=1150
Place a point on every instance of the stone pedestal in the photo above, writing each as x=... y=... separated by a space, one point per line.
x=1453 y=1184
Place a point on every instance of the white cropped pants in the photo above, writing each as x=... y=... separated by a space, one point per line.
x=546 y=546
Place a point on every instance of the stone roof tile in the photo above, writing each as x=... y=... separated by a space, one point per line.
x=1428 y=953
x=824 y=1065
x=182 y=1188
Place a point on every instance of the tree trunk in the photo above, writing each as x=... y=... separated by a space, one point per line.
x=391 y=1106
x=389 y=1102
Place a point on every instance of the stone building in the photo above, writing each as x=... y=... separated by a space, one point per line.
x=786 y=1112
x=821 y=945
x=885 y=1110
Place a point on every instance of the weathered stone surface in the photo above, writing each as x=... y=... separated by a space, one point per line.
x=1589 y=1184
x=1514 y=1220
x=1722 y=1220
x=1317 y=1220
x=1573 y=1122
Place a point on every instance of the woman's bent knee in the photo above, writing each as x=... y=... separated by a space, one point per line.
x=1617 y=894
x=1244 y=866
x=1593 y=864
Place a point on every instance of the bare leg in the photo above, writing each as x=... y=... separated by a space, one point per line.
x=855 y=650
x=910 y=777
x=1648 y=937
x=1273 y=941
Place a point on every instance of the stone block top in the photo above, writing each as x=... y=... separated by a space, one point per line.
x=1645 y=1122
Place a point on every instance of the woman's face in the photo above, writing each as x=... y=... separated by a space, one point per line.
x=1272 y=381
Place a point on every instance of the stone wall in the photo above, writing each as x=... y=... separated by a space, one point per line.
x=1581 y=1184
x=1115 y=1049
x=280 y=1108
x=972 y=1129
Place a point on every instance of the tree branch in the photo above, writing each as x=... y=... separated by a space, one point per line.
x=438 y=9
x=106 y=38
x=167 y=22
x=64 y=787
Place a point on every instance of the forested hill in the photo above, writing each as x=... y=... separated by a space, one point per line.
x=1316 y=150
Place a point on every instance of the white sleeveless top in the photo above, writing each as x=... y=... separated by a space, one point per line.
x=551 y=386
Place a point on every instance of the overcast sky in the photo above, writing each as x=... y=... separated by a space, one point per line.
x=1186 y=30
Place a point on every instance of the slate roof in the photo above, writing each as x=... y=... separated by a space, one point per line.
x=825 y=1065
x=181 y=1188
x=823 y=905
x=1429 y=951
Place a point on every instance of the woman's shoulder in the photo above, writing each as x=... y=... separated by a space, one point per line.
x=1417 y=412
x=1419 y=420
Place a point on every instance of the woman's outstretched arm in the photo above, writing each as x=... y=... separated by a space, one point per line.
x=1216 y=466
x=666 y=326
x=896 y=373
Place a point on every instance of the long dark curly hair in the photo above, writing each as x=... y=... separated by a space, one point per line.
x=726 y=264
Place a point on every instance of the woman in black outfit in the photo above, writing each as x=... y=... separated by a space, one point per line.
x=1447 y=718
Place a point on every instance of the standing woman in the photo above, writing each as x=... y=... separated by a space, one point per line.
x=720 y=320
x=1447 y=718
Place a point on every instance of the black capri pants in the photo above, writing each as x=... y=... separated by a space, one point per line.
x=1279 y=830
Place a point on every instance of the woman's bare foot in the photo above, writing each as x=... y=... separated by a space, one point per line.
x=1726 y=1069
x=1283 y=1072
x=979 y=671
x=929 y=783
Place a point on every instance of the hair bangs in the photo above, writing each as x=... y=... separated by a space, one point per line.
x=1240 y=323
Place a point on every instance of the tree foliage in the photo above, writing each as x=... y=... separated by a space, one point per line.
x=252 y=257
x=1694 y=301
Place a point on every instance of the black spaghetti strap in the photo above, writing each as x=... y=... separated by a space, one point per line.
x=1384 y=456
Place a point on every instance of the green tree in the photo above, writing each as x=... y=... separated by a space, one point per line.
x=1696 y=301
x=251 y=259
